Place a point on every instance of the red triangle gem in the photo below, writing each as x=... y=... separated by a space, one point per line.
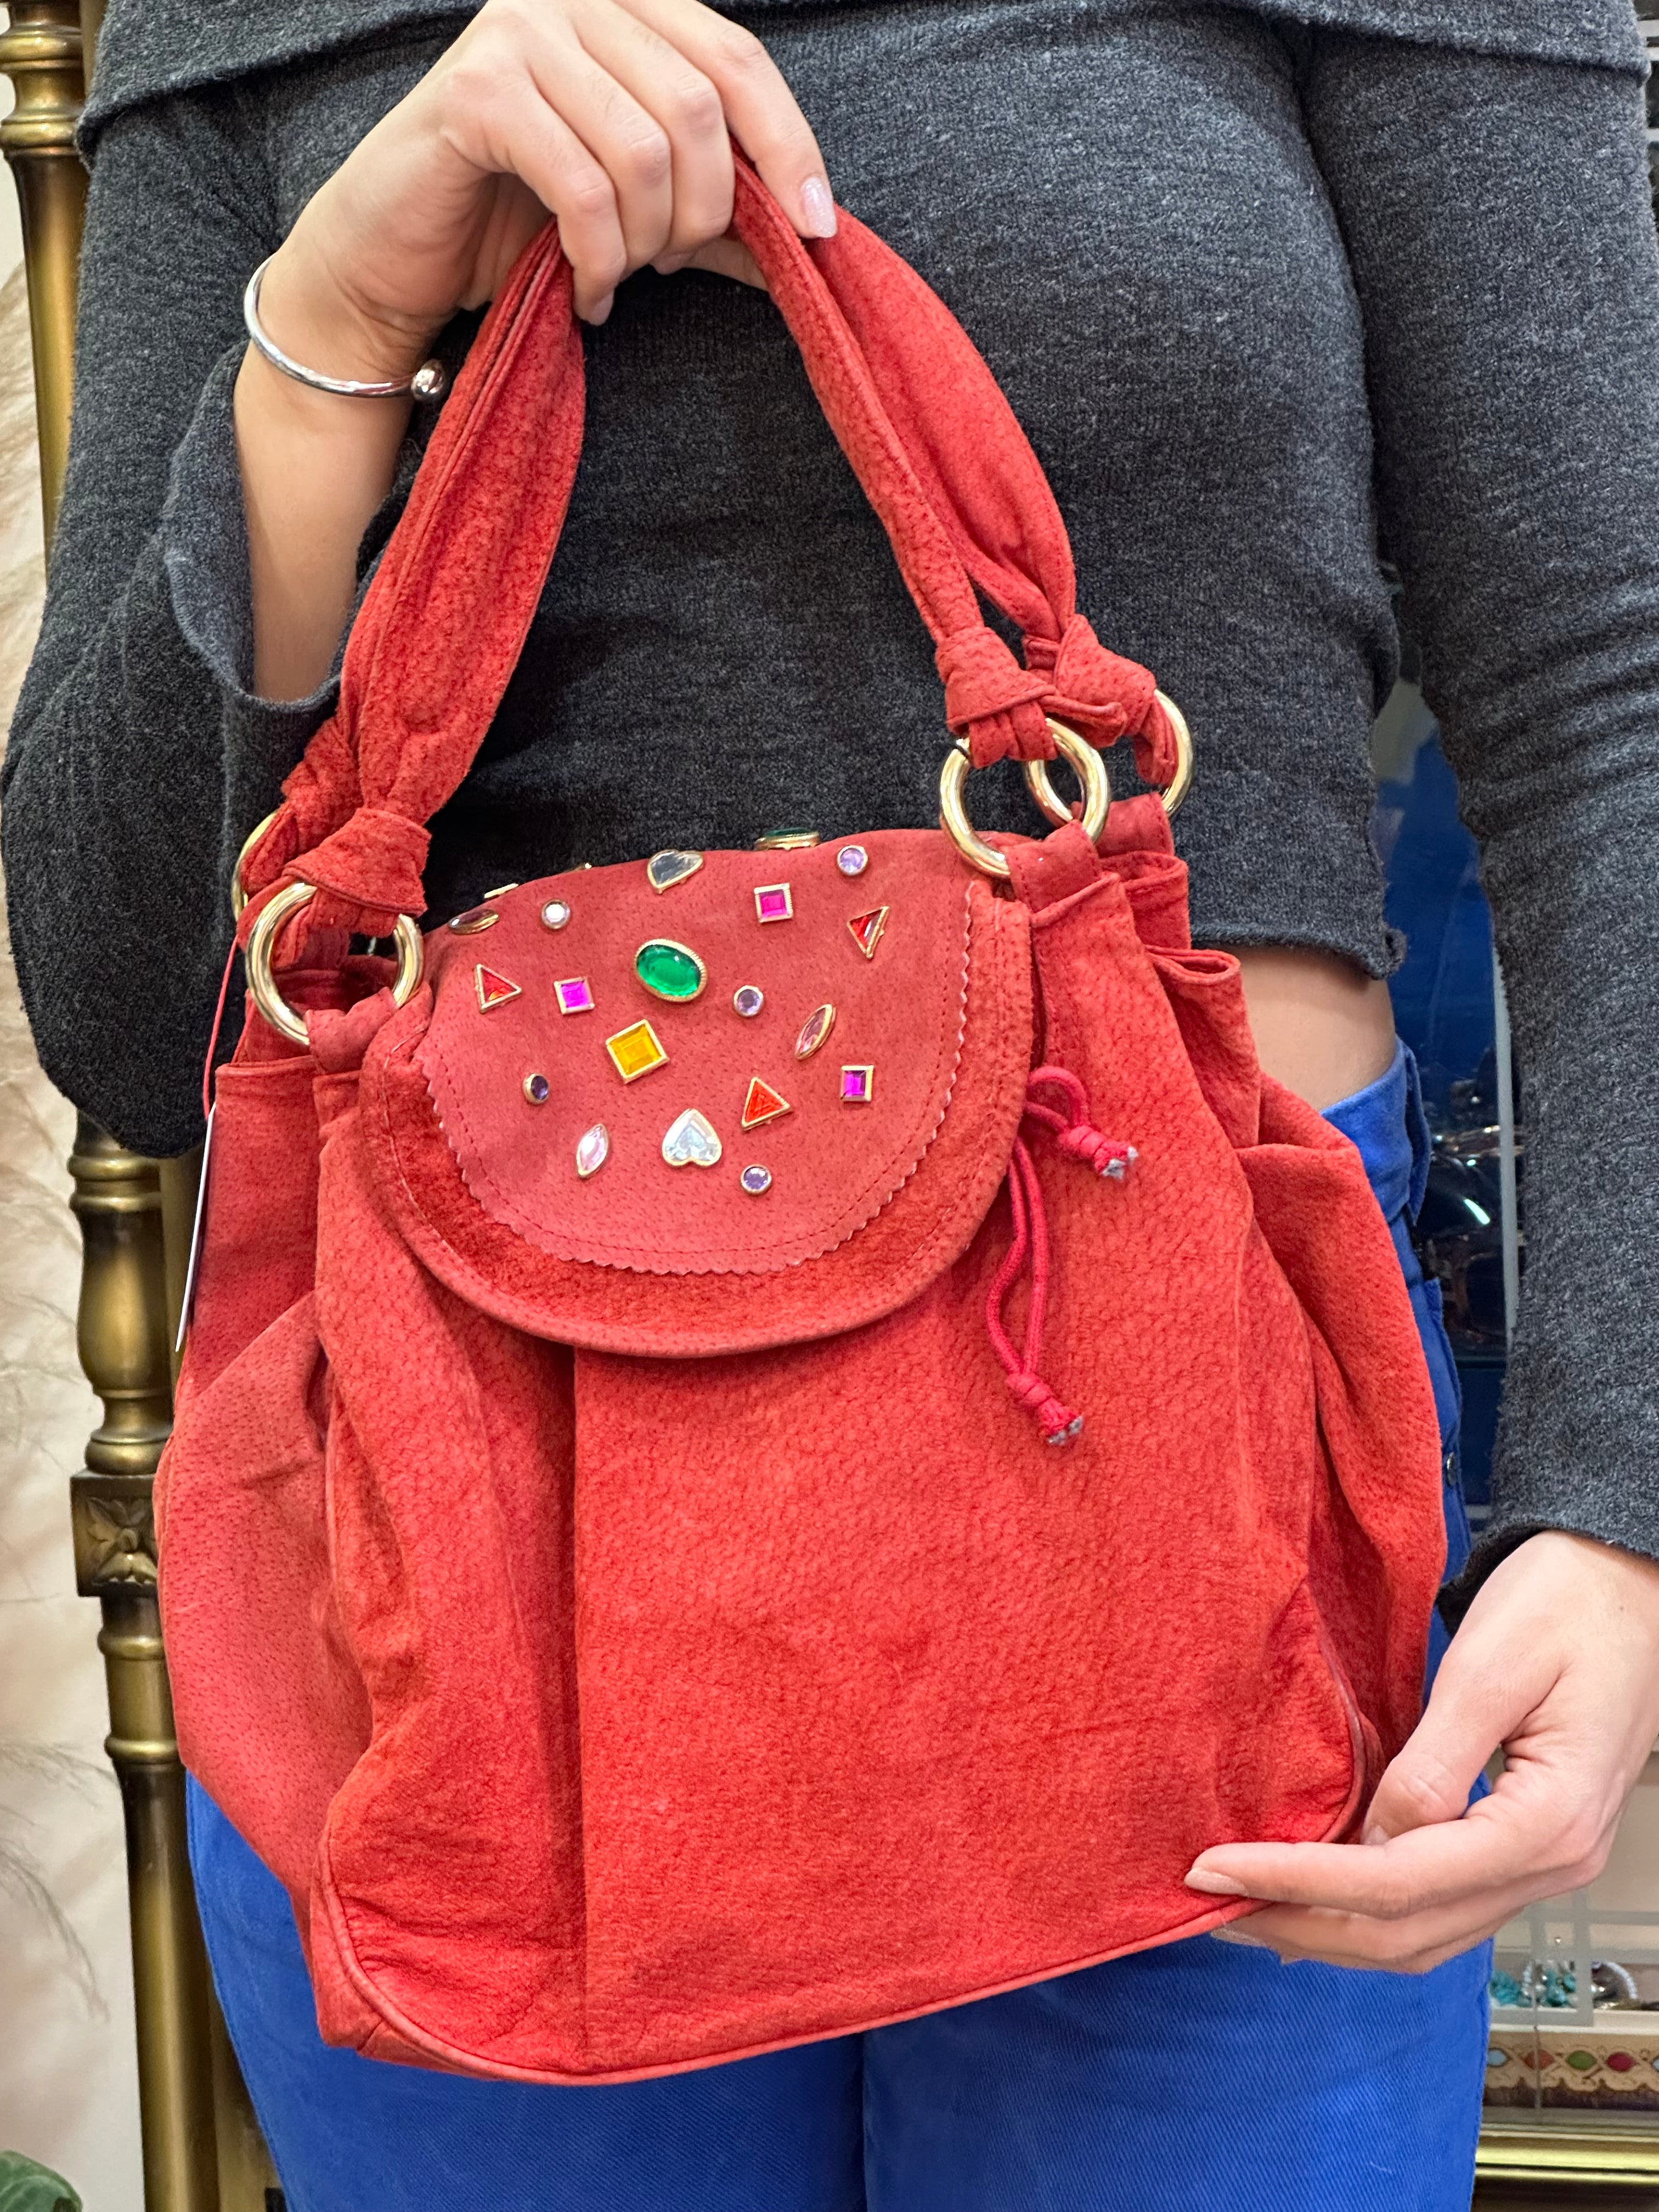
x=762 y=1104
x=493 y=989
x=866 y=930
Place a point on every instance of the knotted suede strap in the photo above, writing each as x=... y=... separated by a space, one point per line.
x=929 y=434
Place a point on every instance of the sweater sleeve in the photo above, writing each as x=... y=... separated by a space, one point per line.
x=138 y=757
x=1497 y=217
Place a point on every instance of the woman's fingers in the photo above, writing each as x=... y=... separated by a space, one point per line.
x=688 y=201
x=513 y=130
x=757 y=106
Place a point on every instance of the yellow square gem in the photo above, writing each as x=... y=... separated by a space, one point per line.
x=634 y=1052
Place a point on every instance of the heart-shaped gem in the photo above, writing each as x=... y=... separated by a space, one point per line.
x=664 y=869
x=692 y=1141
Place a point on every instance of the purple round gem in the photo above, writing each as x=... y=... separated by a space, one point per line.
x=536 y=1089
x=748 y=999
x=852 y=859
x=755 y=1181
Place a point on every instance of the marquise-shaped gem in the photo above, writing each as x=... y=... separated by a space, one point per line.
x=867 y=929
x=592 y=1150
x=670 y=970
x=476 y=918
x=493 y=989
x=664 y=869
x=815 y=1031
x=692 y=1141
x=762 y=1104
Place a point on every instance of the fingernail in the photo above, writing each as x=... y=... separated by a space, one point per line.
x=670 y=263
x=1375 y=1835
x=819 y=208
x=1234 y=1934
x=600 y=308
x=1215 y=1884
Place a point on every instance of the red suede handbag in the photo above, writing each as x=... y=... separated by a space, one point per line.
x=770 y=1440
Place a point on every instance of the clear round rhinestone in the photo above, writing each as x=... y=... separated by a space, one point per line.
x=755 y=1181
x=852 y=859
x=749 y=998
x=555 y=914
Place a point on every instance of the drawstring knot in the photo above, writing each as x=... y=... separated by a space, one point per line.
x=1077 y=1137
x=1105 y=1154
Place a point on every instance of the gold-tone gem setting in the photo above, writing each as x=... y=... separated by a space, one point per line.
x=635 y=1051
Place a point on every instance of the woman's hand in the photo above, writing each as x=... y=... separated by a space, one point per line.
x=615 y=116
x=1557 y=1661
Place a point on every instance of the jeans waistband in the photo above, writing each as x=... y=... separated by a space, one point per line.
x=1387 y=1124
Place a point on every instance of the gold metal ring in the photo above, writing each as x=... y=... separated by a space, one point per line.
x=953 y=814
x=412 y=955
x=238 y=890
x=1036 y=772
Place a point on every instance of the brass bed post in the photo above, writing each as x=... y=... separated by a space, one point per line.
x=135 y=1217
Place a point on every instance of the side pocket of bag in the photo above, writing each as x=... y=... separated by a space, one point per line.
x=1376 y=1541
x=270 y=1712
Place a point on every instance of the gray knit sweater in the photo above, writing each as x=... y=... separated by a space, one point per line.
x=1265 y=285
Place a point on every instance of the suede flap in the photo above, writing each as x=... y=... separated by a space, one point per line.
x=878 y=1151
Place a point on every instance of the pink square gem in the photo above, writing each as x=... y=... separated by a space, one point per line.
x=855 y=1085
x=772 y=902
x=574 y=996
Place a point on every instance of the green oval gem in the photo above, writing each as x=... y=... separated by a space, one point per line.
x=670 y=970
x=1581 y=2061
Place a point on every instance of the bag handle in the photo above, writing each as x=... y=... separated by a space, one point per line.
x=927 y=431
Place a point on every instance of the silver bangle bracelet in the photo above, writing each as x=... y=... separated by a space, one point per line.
x=429 y=381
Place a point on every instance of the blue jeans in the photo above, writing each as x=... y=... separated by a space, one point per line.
x=1199 y=2075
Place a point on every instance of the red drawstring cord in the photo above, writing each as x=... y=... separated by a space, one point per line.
x=1076 y=1136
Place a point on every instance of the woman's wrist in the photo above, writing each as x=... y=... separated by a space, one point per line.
x=315 y=321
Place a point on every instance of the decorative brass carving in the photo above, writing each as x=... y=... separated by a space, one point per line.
x=114 y=1533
